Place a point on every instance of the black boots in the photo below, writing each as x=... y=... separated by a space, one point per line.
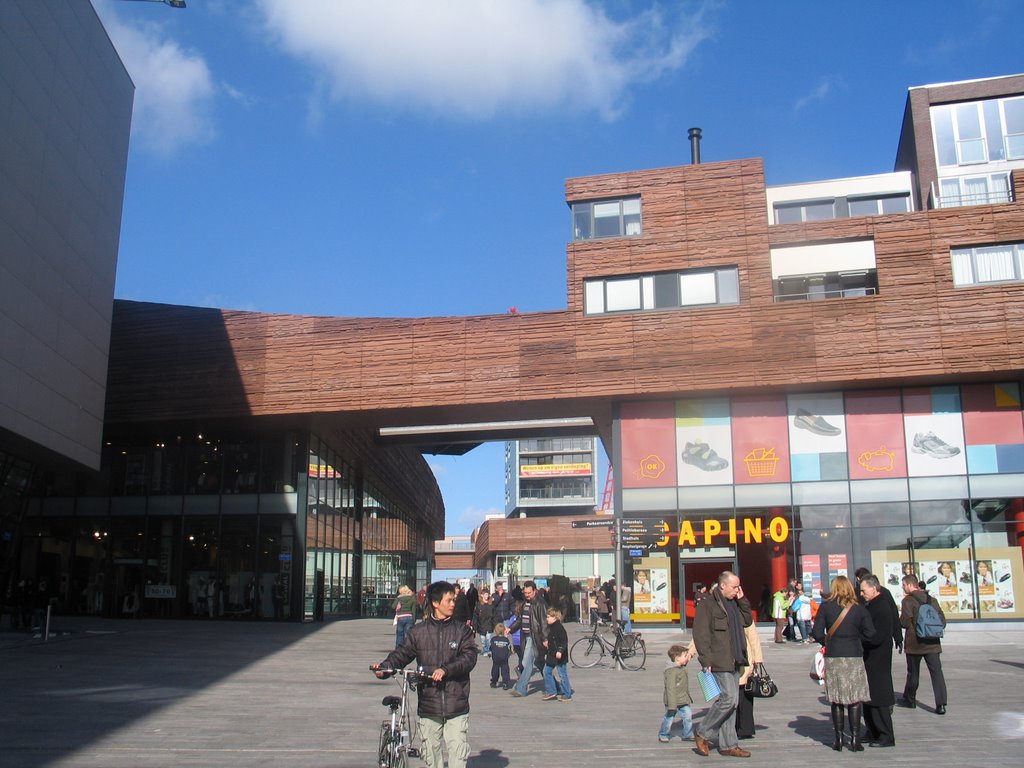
x=856 y=711
x=837 y=727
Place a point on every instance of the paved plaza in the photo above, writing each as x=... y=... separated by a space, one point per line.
x=106 y=694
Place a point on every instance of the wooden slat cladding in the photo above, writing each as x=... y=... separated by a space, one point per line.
x=170 y=362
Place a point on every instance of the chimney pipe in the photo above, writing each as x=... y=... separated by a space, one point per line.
x=694 y=136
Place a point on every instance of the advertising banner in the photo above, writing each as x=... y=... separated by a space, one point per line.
x=648 y=441
x=554 y=470
x=993 y=428
x=760 y=440
x=817 y=437
x=874 y=422
x=704 y=442
x=810 y=569
x=933 y=426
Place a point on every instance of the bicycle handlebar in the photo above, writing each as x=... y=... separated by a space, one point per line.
x=414 y=676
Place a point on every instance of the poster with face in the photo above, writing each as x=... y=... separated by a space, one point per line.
x=650 y=587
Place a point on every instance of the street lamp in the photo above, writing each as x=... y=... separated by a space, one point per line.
x=172 y=3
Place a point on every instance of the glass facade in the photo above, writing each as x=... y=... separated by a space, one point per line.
x=269 y=526
x=930 y=479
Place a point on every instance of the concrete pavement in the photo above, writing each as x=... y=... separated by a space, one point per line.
x=106 y=693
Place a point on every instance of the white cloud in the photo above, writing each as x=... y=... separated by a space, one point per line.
x=473 y=59
x=174 y=89
x=820 y=92
x=468 y=519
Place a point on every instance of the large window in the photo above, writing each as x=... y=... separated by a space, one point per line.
x=606 y=218
x=974 y=190
x=827 y=285
x=979 y=132
x=988 y=264
x=667 y=290
x=841 y=207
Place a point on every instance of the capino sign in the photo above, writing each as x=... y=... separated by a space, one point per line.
x=749 y=530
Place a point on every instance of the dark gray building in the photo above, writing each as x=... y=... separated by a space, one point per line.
x=65 y=115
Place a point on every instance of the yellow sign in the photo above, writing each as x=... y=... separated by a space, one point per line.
x=750 y=530
x=549 y=470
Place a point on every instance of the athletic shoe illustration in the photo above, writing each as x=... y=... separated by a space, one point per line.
x=703 y=456
x=930 y=445
x=816 y=424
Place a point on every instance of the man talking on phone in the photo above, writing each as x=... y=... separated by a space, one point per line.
x=722 y=650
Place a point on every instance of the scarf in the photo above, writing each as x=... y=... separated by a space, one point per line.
x=739 y=642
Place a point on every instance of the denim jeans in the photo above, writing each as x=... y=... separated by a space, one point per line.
x=403 y=626
x=549 y=679
x=685 y=718
x=627 y=623
x=485 y=639
x=529 y=656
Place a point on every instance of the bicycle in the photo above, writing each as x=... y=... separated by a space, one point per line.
x=395 y=746
x=628 y=649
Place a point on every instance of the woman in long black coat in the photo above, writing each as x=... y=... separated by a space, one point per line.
x=878 y=663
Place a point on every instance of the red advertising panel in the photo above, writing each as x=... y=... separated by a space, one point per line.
x=760 y=440
x=648 y=445
x=874 y=435
x=810 y=572
x=992 y=414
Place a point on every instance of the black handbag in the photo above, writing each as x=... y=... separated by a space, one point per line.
x=760 y=683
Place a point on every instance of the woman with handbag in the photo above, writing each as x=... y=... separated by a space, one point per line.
x=748 y=679
x=842 y=626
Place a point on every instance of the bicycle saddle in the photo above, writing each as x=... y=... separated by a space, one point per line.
x=391 y=701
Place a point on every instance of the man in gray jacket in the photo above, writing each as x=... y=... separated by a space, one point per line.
x=722 y=650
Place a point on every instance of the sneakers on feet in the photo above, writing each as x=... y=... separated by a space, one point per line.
x=930 y=445
x=515 y=693
x=494 y=685
x=703 y=456
x=816 y=424
x=569 y=698
x=548 y=697
x=663 y=739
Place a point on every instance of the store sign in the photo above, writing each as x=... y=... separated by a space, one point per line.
x=749 y=530
x=161 y=591
x=554 y=470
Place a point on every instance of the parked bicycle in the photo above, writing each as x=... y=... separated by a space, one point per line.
x=627 y=649
x=395 y=747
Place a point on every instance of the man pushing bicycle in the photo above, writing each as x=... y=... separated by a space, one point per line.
x=446 y=652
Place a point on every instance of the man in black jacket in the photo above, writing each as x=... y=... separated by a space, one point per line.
x=878 y=661
x=532 y=624
x=445 y=649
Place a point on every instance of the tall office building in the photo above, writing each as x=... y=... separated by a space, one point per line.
x=548 y=476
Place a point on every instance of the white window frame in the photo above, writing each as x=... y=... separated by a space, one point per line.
x=969 y=264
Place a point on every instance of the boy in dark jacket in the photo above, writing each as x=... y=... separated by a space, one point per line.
x=557 y=658
x=446 y=650
x=501 y=651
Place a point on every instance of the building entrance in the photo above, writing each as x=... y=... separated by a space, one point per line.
x=693 y=573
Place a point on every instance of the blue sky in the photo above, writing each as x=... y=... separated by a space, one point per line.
x=408 y=158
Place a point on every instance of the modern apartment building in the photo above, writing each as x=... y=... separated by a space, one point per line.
x=547 y=476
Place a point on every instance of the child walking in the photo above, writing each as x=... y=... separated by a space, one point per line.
x=677 y=694
x=557 y=659
x=501 y=650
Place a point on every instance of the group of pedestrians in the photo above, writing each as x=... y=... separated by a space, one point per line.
x=859 y=636
x=444 y=645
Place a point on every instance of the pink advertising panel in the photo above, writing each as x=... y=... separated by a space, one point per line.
x=874 y=435
x=760 y=440
x=648 y=440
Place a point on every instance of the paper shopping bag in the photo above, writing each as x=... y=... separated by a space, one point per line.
x=708 y=685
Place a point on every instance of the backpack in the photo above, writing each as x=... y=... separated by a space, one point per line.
x=929 y=623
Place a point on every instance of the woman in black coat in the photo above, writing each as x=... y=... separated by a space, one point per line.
x=885 y=616
x=846 y=683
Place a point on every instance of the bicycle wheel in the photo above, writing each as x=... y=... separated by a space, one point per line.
x=389 y=752
x=586 y=652
x=634 y=656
